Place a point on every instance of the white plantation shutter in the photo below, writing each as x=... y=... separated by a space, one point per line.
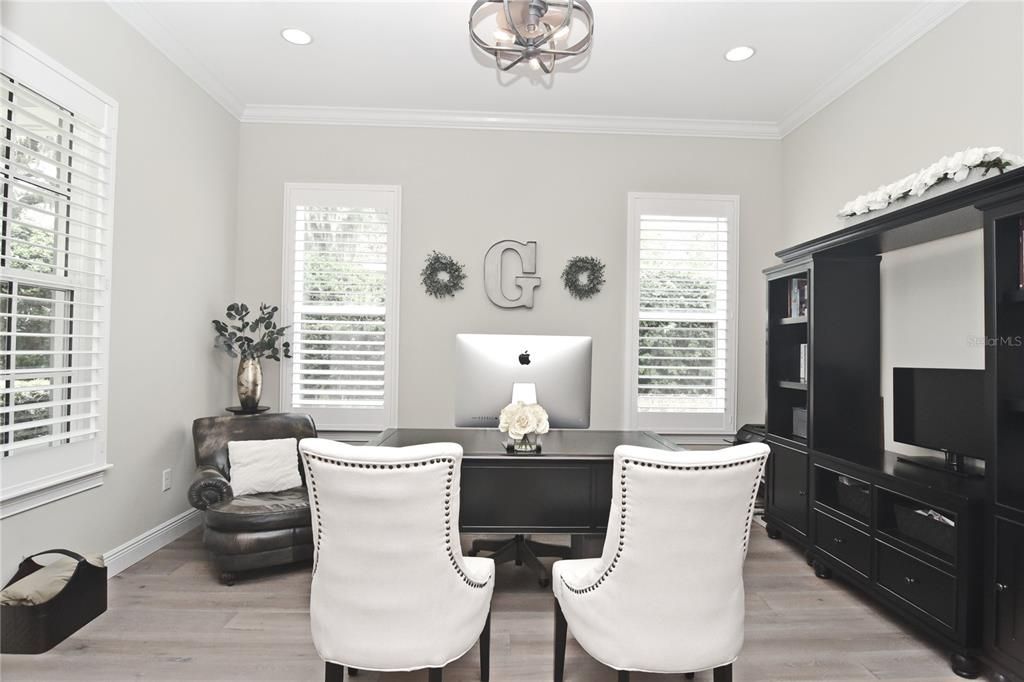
x=56 y=168
x=682 y=307
x=341 y=294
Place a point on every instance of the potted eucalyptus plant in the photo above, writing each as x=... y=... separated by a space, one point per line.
x=251 y=340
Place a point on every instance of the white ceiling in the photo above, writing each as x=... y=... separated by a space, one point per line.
x=660 y=60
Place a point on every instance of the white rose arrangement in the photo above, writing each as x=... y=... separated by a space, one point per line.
x=956 y=168
x=519 y=420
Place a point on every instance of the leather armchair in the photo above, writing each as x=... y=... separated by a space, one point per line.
x=249 y=531
x=666 y=595
x=391 y=590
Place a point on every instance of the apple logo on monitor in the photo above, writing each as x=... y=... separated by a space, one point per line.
x=524 y=357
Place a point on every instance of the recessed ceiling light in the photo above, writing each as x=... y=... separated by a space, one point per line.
x=739 y=54
x=296 y=36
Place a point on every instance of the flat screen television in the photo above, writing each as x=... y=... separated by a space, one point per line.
x=940 y=409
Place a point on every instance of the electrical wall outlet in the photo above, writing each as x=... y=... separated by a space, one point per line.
x=165 y=480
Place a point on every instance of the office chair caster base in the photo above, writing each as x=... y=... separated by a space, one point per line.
x=524 y=552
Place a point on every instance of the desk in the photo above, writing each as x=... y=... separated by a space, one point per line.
x=566 y=488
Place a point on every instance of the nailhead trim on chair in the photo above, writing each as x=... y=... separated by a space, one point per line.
x=622 y=515
x=750 y=507
x=316 y=508
x=401 y=465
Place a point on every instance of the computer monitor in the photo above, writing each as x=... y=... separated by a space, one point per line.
x=488 y=365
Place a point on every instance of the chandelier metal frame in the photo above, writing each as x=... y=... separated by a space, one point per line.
x=541 y=47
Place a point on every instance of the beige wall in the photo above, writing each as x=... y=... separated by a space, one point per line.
x=173 y=267
x=960 y=85
x=464 y=190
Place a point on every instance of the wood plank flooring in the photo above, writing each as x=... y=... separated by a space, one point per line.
x=169 y=619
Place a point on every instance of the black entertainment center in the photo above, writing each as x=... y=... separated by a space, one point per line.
x=939 y=540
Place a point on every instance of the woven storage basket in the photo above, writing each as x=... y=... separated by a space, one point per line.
x=38 y=628
x=926 y=530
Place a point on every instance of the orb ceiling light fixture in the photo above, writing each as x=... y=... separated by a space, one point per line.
x=533 y=32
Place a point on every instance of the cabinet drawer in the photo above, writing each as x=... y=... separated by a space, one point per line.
x=844 y=542
x=924 y=586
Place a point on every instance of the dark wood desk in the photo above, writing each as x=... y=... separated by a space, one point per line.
x=566 y=488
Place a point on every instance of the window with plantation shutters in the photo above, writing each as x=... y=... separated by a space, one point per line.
x=682 y=312
x=341 y=299
x=55 y=230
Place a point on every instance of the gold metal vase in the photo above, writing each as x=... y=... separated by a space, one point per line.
x=250 y=383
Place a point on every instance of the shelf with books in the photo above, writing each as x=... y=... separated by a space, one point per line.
x=797 y=302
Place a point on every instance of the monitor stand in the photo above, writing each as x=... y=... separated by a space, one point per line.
x=524 y=393
x=949 y=463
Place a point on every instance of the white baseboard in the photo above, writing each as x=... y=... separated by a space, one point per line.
x=138 y=548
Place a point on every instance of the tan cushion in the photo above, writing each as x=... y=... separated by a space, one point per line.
x=45 y=584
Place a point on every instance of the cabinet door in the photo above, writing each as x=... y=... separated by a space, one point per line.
x=788 y=486
x=1010 y=470
x=1009 y=627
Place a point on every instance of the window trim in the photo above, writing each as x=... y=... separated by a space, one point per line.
x=392 y=312
x=30 y=481
x=676 y=423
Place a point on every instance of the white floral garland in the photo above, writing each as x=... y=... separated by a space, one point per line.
x=955 y=168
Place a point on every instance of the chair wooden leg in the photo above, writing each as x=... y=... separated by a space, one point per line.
x=435 y=675
x=723 y=673
x=623 y=676
x=561 y=629
x=485 y=650
x=334 y=672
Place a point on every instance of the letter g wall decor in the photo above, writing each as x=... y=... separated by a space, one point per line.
x=495 y=278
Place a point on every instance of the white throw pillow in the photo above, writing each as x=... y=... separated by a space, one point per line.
x=263 y=466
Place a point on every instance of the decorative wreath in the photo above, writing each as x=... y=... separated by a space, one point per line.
x=583 y=276
x=442 y=275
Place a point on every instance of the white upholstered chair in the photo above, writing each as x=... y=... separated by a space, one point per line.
x=391 y=590
x=666 y=596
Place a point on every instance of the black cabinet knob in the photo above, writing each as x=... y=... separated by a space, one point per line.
x=910 y=580
x=1002 y=587
x=838 y=540
x=801 y=493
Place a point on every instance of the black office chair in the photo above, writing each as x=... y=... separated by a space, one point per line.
x=522 y=550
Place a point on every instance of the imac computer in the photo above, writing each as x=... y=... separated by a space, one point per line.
x=554 y=368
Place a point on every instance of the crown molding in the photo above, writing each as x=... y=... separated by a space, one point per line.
x=486 y=120
x=142 y=20
x=899 y=38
